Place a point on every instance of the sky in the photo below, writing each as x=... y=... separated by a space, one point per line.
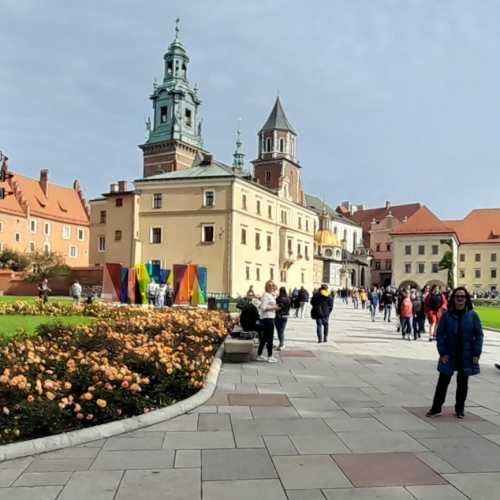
x=392 y=99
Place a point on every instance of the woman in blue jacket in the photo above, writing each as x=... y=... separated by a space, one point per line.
x=459 y=342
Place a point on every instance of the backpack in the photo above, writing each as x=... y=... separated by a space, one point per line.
x=436 y=301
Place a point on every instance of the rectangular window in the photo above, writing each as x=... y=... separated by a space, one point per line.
x=271 y=273
x=268 y=178
x=81 y=234
x=1 y=227
x=208 y=233
x=283 y=217
x=493 y=273
x=435 y=249
x=462 y=273
x=32 y=246
x=435 y=267
x=299 y=250
x=188 y=115
x=247 y=272
x=119 y=202
x=307 y=225
x=163 y=114
x=306 y=252
x=477 y=273
x=283 y=276
x=209 y=199
x=155 y=236
x=33 y=225
x=269 y=212
x=290 y=247
x=388 y=247
x=477 y=257
x=243 y=236
x=377 y=247
x=377 y=265
x=462 y=257
x=300 y=222
x=102 y=244
x=73 y=252
x=302 y=277
x=118 y=235
x=102 y=217
x=257 y=241
x=421 y=249
x=388 y=265
x=157 y=200
x=258 y=207
x=493 y=257
x=407 y=268
x=46 y=248
x=421 y=268
x=257 y=273
x=269 y=242
x=244 y=201
x=66 y=232
x=407 y=249
x=46 y=228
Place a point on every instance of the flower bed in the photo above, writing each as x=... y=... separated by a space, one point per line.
x=130 y=361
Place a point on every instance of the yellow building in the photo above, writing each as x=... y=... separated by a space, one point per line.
x=420 y=243
x=189 y=208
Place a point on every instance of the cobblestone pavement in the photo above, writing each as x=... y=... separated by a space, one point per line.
x=342 y=420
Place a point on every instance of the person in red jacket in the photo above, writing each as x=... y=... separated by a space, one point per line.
x=435 y=305
x=406 y=315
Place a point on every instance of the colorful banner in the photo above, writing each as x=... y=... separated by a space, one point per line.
x=112 y=280
x=124 y=298
x=132 y=286
x=143 y=280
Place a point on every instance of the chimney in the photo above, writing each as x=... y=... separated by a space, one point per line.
x=113 y=188
x=44 y=181
x=387 y=204
x=122 y=186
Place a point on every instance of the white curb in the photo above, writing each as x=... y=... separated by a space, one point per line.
x=73 y=438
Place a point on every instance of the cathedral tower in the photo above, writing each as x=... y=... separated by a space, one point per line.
x=276 y=166
x=174 y=137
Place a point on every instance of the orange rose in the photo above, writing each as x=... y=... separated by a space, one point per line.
x=87 y=396
x=50 y=395
x=101 y=403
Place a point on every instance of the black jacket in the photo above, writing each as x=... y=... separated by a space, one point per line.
x=321 y=306
x=284 y=303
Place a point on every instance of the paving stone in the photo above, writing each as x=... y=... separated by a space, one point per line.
x=318 y=444
x=274 y=412
x=30 y=493
x=97 y=485
x=281 y=426
x=59 y=464
x=187 y=422
x=466 y=454
x=198 y=440
x=214 y=422
x=241 y=412
x=205 y=409
x=261 y=489
x=343 y=394
x=365 y=424
x=436 y=463
x=386 y=469
x=144 y=459
x=448 y=414
x=387 y=493
x=43 y=479
x=305 y=495
x=402 y=420
x=279 y=445
x=444 y=492
x=17 y=463
x=258 y=400
x=8 y=476
x=309 y=472
x=223 y=465
x=476 y=486
x=481 y=427
x=380 y=442
x=218 y=398
x=260 y=379
x=187 y=458
x=322 y=414
x=173 y=484
x=442 y=429
x=313 y=404
x=297 y=354
x=93 y=444
x=291 y=390
x=153 y=441
x=248 y=441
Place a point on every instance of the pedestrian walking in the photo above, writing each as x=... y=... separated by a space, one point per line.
x=406 y=315
x=267 y=312
x=355 y=298
x=75 y=292
x=44 y=291
x=374 y=299
x=160 y=295
x=459 y=343
x=303 y=300
x=281 y=319
x=417 y=309
x=363 y=297
x=386 y=302
x=322 y=305
x=435 y=305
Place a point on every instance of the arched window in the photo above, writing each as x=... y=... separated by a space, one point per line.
x=282 y=145
x=268 y=145
x=335 y=230
x=345 y=235
x=354 y=241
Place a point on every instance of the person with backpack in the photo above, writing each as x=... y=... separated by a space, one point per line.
x=459 y=343
x=434 y=306
x=322 y=305
x=355 y=298
x=281 y=319
x=417 y=309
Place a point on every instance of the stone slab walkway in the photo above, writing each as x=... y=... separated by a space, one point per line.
x=341 y=421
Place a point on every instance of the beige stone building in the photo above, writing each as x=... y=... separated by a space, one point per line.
x=189 y=208
x=421 y=242
x=37 y=215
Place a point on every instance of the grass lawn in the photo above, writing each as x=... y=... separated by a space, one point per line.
x=11 y=325
x=490 y=316
x=8 y=299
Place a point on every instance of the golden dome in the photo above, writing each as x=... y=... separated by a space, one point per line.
x=326 y=238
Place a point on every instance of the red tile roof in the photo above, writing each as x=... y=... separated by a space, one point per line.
x=479 y=226
x=423 y=221
x=365 y=217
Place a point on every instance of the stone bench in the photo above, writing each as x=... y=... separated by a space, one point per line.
x=238 y=350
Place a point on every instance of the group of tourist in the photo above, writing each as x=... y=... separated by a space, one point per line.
x=160 y=294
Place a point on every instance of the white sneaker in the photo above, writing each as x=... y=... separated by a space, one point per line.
x=261 y=358
x=282 y=348
x=272 y=360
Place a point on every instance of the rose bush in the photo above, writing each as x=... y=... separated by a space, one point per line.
x=130 y=361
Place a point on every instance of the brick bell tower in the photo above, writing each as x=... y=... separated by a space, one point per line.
x=174 y=137
x=276 y=166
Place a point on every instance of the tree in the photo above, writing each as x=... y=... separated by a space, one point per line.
x=14 y=260
x=447 y=263
x=46 y=265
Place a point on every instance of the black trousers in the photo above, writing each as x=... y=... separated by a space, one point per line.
x=442 y=388
x=266 y=338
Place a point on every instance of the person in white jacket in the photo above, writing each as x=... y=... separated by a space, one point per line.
x=267 y=312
